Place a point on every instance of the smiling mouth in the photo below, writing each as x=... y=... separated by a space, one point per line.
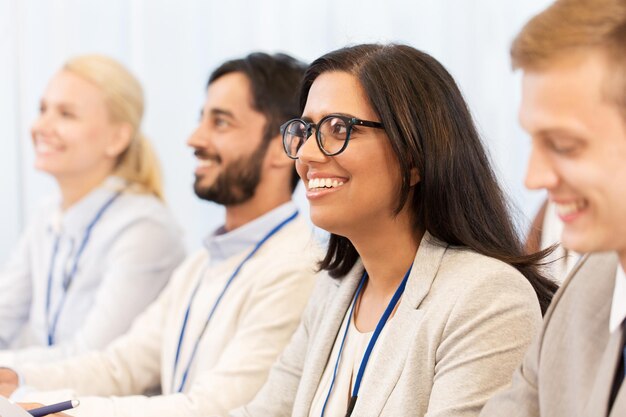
x=206 y=163
x=206 y=159
x=570 y=209
x=45 y=147
x=319 y=183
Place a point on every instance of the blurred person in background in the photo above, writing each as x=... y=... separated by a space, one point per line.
x=573 y=58
x=97 y=255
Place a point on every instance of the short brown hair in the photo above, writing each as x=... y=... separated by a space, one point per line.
x=570 y=26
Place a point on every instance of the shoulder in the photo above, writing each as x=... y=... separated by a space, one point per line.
x=295 y=237
x=467 y=267
x=293 y=248
x=132 y=207
x=467 y=280
x=326 y=286
x=142 y=204
x=594 y=273
x=329 y=290
x=587 y=290
x=480 y=299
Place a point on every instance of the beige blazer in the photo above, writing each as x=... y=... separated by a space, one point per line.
x=460 y=330
x=569 y=369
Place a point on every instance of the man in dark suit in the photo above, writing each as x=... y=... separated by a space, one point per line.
x=573 y=57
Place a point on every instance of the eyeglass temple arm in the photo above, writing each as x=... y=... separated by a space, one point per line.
x=367 y=123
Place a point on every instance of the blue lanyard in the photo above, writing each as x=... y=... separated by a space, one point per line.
x=370 y=346
x=216 y=304
x=68 y=278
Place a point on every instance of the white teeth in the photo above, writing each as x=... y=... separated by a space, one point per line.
x=42 y=147
x=569 y=208
x=205 y=163
x=324 y=183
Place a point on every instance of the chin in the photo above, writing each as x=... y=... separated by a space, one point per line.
x=582 y=242
x=202 y=186
x=323 y=222
x=335 y=226
x=46 y=168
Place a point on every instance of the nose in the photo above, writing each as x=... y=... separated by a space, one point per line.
x=311 y=152
x=199 y=138
x=42 y=125
x=540 y=172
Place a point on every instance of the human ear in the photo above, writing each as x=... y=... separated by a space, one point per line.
x=119 y=140
x=276 y=155
x=415 y=177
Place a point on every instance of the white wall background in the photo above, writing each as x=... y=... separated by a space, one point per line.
x=173 y=45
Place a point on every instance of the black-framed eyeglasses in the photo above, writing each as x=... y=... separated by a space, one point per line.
x=332 y=133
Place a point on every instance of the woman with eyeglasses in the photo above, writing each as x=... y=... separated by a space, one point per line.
x=425 y=302
x=98 y=254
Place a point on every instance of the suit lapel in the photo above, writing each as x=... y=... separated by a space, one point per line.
x=391 y=351
x=601 y=389
x=323 y=340
x=619 y=407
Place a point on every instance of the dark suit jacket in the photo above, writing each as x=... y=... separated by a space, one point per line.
x=569 y=369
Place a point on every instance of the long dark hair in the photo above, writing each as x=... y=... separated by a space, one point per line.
x=458 y=199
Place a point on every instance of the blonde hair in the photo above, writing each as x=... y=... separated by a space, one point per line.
x=138 y=163
x=569 y=26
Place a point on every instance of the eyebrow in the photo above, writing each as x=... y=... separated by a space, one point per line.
x=309 y=120
x=222 y=112
x=63 y=104
x=218 y=112
x=567 y=134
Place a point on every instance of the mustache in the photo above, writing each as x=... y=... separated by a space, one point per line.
x=202 y=154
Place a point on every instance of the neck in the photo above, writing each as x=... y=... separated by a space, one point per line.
x=74 y=188
x=261 y=202
x=387 y=251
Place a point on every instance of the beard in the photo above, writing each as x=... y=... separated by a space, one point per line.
x=237 y=183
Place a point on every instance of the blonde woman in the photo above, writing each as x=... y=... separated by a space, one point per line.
x=103 y=250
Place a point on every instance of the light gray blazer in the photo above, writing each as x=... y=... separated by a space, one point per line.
x=460 y=330
x=569 y=369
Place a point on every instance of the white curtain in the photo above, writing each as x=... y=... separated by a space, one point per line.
x=173 y=45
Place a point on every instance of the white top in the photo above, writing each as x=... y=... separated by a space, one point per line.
x=351 y=357
x=129 y=257
x=252 y=324
x=562 y=259
x=618 y=308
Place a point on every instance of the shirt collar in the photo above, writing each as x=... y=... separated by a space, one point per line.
x=618 y=308
x=222 y=245
x=75 y=219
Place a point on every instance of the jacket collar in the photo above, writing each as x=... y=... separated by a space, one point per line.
x=391 y=349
